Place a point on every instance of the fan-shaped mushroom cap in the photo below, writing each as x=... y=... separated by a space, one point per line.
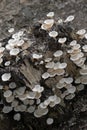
x=80 y=87
x=7 y=63
x=31 y=95
x=40 y=112
x=73 y=43
x=10 y=99
x=70 y=96
x=58 y=53
x=69 y=18
x=17 y=116
x=20 y=90
x=49 y=121
x=45 y=75
x=37 y=56
x=7 y=109
x=14 y=51
x=7 y=93
x=81 y=32
x=53 y=34
x=12 y=85
x=31 y=109
x=71 y=89
x=50 y=14
x=2 y=49
x=83 y=71
x=11 y=30
x=62 y=40
x=49 y=65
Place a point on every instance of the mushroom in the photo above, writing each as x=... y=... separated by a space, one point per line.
x=53 y=34
x=14 y=51
x=50 y=14
x=7 y=93
x=49 y=121
x=69 y=18
x=6 y=76
x=17 y=116
x=58 y=53
x=62 y=40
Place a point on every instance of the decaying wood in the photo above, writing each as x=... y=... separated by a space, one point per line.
x=32 y=76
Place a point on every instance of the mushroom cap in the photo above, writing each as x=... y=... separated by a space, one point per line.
x=20 y=43
x=7 y=109
x=73 y=43
x=62 y=40
x=31 y=95
x=49 y=121
x=83 y=71
x=37 y=56
x=14 y=51
x=69 y=80
x=81 y=32
x=50 y=14
x=48 y=59
x=45 y=26
x=80 y=87
x=69 y=18
x=31 y=109
x=49 y=65
x=7 y=63
x=20 y=90
x=71 y=89
x=58 y=53
x=10 y=99
x=40 y=112
x=17 y=116
x=2 y=49
x=11 y=30
x=86 y=36
x=62 y=65
x=83 y=79
x=7 y=93
x=53 y=34
x=49 y=21
x=70 y=96
x=76 y=47
x=12 y=85
x=45 y=75
x=6 y=76
x=9 y=47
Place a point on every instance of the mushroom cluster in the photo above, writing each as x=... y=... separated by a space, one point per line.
x=63 y=70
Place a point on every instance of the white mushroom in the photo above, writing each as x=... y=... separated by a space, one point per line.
x=7 y=93
x=62 y=40
x=45 y=75
x=11 y=30
x=49 y=65
x=17 y=117
x=50 y=14
x=53 y=34
x=7 y=109
x=6 y=76
x=14 y=51
x=58 y=53
x=81 y=32
x=69 y=18
x=7 y=63
x=49 y=121
x=37 y=56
